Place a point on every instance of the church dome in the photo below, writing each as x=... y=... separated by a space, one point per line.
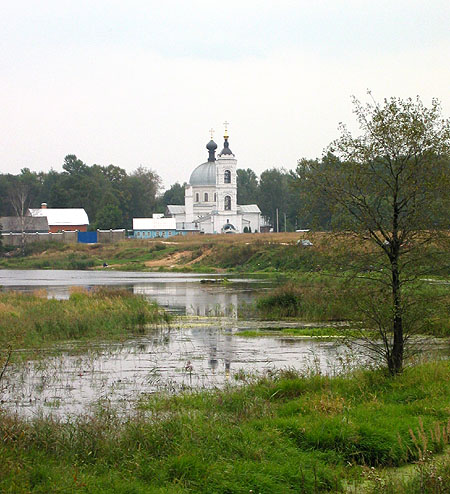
x=211 y=146
x=204 y=174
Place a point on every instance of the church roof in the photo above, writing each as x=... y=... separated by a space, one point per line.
x=226 y=149
x=30 y=224
x=154 y=224
x=248 y=208
x=176 y=209
x=204 y=174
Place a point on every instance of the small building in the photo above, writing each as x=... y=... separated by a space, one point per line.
x=13 y=224
x=62 y=219
x=156 y=227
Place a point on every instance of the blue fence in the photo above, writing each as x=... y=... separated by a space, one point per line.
x=87 y=237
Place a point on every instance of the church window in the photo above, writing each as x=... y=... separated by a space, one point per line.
x=197 y=197
x=227 y=203
x=206 y=196
x=215 y=197
x=227 y=177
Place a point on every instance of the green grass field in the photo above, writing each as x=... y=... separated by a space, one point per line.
x=282 y=434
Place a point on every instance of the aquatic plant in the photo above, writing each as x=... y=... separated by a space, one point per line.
x=33 y=320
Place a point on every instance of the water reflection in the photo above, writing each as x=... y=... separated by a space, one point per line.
x=177 y=292
x=190 y=356
x=169 y=360
x=198 y=299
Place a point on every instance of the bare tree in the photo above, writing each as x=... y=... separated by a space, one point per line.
x=19 y=198
x=389 y=186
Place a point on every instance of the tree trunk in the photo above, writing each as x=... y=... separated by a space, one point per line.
x=395 y=363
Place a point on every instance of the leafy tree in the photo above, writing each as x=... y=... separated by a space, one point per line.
x=114 y=191
x=273 y=195
x=109 y=218
x=74 y=167
x=389 y=186
x=143 y=186
x=7 y=183
x=174 y=195
x=100 y=190
x=313 y=210
x=247 y=186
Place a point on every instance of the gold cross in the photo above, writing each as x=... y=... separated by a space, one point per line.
x=226 y=124
x=211 y=131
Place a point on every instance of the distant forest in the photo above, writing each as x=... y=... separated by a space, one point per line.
x=112 y=197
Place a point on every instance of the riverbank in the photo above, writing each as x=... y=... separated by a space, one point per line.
x=280 y=434
x=303 y=252
x=268 y=253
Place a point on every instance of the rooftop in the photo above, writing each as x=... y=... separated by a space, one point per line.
x=61 y=216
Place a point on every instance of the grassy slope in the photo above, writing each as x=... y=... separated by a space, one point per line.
x=248 y=252
x=269 y=253
x=279 y=435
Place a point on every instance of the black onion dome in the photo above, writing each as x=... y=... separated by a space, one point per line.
x=211 y=147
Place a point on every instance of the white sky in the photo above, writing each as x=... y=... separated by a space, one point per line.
x=141 y=82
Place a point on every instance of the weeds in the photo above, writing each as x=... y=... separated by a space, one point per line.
x=313 y=300
x=32 y=320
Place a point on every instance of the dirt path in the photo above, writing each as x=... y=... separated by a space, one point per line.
x=170 y=261
x=206 y=253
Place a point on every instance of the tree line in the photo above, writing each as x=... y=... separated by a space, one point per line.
x=112 y=197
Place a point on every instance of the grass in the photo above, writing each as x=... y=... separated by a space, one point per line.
x=310 y=297
x=251 y=253
x=33 y=321
x=321 y=298
x=281 y=434
x=244 y=253
x=428 y=476
x=321 y=332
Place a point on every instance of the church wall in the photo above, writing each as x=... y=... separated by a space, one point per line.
x=207 y=227
x=220 y=220
x=254 y=219
x=221 y=201
x=201 y=191
x=189 y=205
x=226 y=189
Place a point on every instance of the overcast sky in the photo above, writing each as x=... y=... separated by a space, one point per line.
x=141 y=82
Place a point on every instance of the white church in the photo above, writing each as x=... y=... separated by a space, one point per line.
x=210 y=202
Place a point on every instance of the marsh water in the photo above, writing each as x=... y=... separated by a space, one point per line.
x=204 y=348
x=179 y=293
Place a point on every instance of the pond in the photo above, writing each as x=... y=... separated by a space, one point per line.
x=203 y=349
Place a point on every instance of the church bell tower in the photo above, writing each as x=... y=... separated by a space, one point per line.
x=226 y=180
